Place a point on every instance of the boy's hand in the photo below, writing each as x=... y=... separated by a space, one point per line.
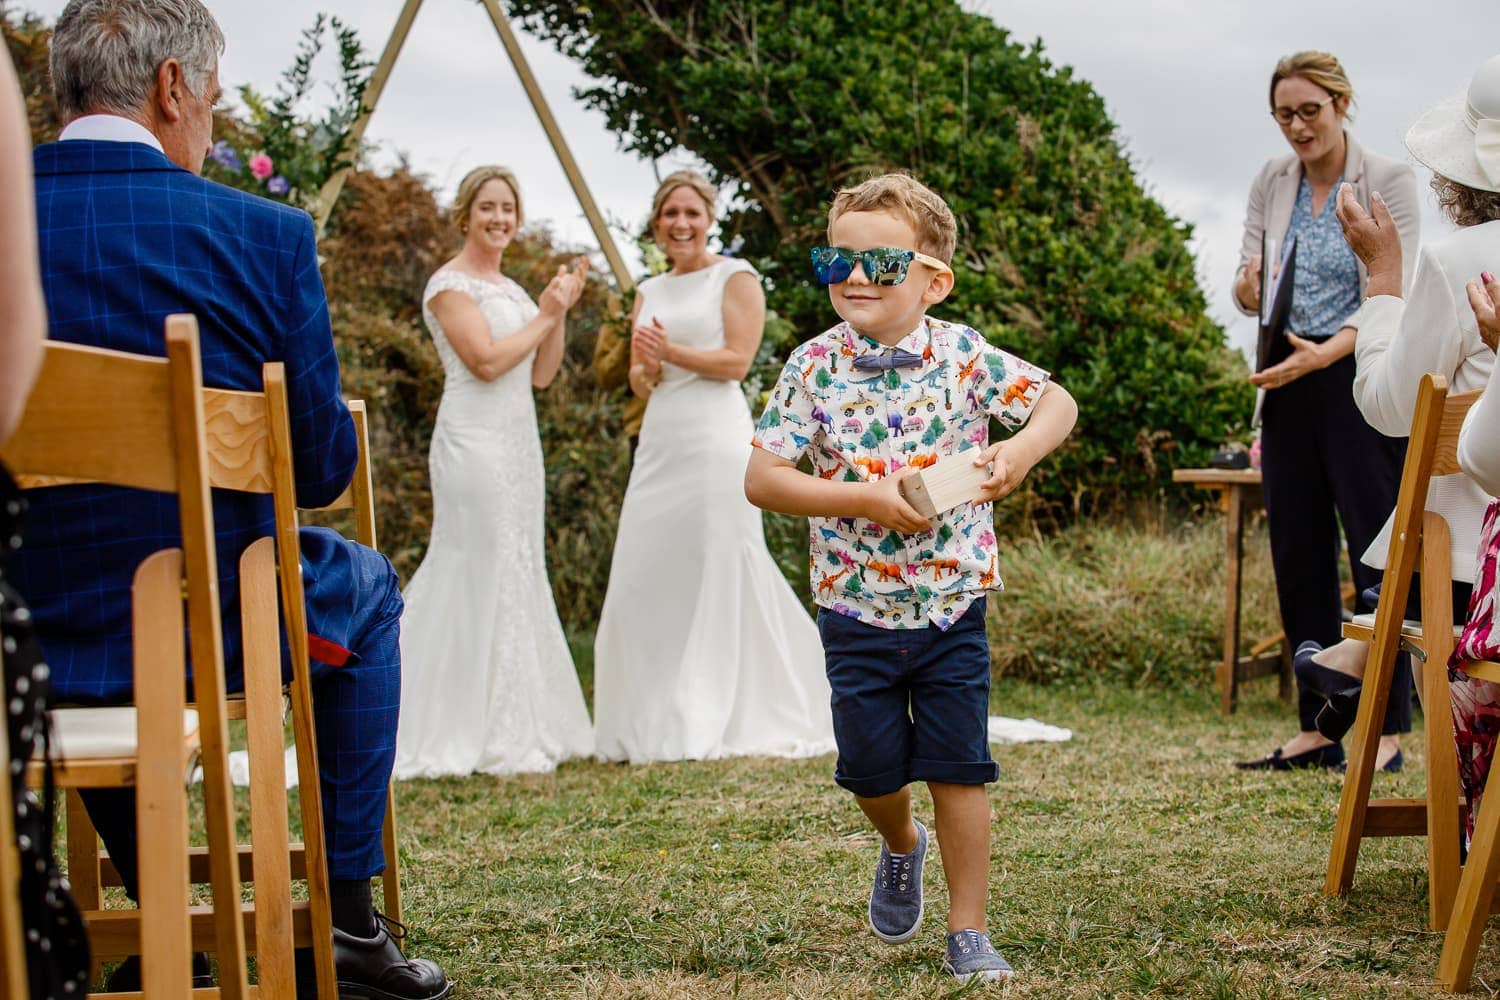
x=1009 y=464
x=889 y=509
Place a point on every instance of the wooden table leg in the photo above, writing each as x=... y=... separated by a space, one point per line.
x=1228 y=667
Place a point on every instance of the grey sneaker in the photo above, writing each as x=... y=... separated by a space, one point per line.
x=896 y=898
x=971 y=956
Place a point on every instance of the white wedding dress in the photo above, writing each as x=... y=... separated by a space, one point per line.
x=703 y=650
x=487 y=680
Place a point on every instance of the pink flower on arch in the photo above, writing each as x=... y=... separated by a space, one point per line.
x=261 y=166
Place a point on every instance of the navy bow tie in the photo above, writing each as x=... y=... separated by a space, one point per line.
x=896 y=359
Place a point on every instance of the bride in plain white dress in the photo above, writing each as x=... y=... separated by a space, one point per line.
x=488 y=682
x=703 y=649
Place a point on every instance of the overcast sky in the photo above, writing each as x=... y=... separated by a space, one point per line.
x=1185 y=80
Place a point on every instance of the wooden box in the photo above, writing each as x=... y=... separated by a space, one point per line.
x=950 y=481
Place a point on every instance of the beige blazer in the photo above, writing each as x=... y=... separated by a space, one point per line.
x=1274 y=195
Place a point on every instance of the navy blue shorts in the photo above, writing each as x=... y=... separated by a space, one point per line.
x=909 y=704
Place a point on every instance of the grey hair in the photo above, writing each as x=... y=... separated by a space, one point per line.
x=106 y=53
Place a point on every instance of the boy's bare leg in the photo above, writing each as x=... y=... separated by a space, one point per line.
x=962 y=817
x=891 y=815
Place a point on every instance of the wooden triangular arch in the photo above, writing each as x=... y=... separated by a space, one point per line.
x=329 y=196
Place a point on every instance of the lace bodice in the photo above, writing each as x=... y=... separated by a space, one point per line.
x=506 y=308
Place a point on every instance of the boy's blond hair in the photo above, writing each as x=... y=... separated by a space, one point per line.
x=909 y=199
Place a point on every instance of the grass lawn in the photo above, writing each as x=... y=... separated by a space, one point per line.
x=1133 y=861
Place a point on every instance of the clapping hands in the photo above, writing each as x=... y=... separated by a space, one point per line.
x=1484 y=299
x=648 y=344
x=562 y=292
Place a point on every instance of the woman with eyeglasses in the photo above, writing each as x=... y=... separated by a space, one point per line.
x=1323 y=466
x=703 y=650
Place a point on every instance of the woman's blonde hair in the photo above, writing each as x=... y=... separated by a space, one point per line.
x=468 y=190
x=1320 y=68
x=673 y=181
x=907 y=198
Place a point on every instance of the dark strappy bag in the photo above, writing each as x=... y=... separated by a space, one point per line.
x=57 y=950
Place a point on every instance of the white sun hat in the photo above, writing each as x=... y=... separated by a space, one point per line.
x=1460 y=138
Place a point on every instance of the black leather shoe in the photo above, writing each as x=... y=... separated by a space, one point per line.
x=1338 y=715
x=127 y=975
x=374 y=968
x=1328 y=756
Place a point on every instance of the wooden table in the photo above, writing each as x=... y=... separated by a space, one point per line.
x=1269 y=655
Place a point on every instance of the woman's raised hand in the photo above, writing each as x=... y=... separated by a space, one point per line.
x=1372 y=235
x=1484 y=299
x=562 y=292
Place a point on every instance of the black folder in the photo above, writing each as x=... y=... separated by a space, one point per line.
x=1271 y=346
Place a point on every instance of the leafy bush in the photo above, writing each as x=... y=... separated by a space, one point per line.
x=1062 y=257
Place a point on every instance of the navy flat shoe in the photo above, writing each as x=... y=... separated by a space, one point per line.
x=1316 y=677
x=1328 y=756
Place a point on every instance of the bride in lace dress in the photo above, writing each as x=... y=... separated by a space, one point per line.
x=703 y=650
x=488 y=682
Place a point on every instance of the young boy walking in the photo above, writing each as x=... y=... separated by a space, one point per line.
x=885 y=392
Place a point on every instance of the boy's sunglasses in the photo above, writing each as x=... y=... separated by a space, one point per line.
x=883 y=265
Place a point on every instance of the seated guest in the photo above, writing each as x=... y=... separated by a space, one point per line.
x=1432 y=329
x=128 y=234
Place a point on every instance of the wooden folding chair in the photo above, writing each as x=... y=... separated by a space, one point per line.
x=360 y=498
x=104 y=416
x=247 y=452
x=1415 y=534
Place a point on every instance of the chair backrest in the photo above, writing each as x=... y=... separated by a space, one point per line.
x=1456 y=406
x=1432 y=450
x=250 y=450
x=127 y=420
x=360 y=496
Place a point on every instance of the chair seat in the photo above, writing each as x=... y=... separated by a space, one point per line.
x=96 y=733
x=1363 y=627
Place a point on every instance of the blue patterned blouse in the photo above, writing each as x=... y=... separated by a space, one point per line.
x=1325 y=284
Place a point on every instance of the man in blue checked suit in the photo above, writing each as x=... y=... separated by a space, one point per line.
x=129 y=233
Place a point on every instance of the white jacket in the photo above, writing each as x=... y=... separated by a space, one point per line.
x=1433 y=330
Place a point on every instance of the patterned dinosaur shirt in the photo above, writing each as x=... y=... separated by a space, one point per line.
x=861 y=424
